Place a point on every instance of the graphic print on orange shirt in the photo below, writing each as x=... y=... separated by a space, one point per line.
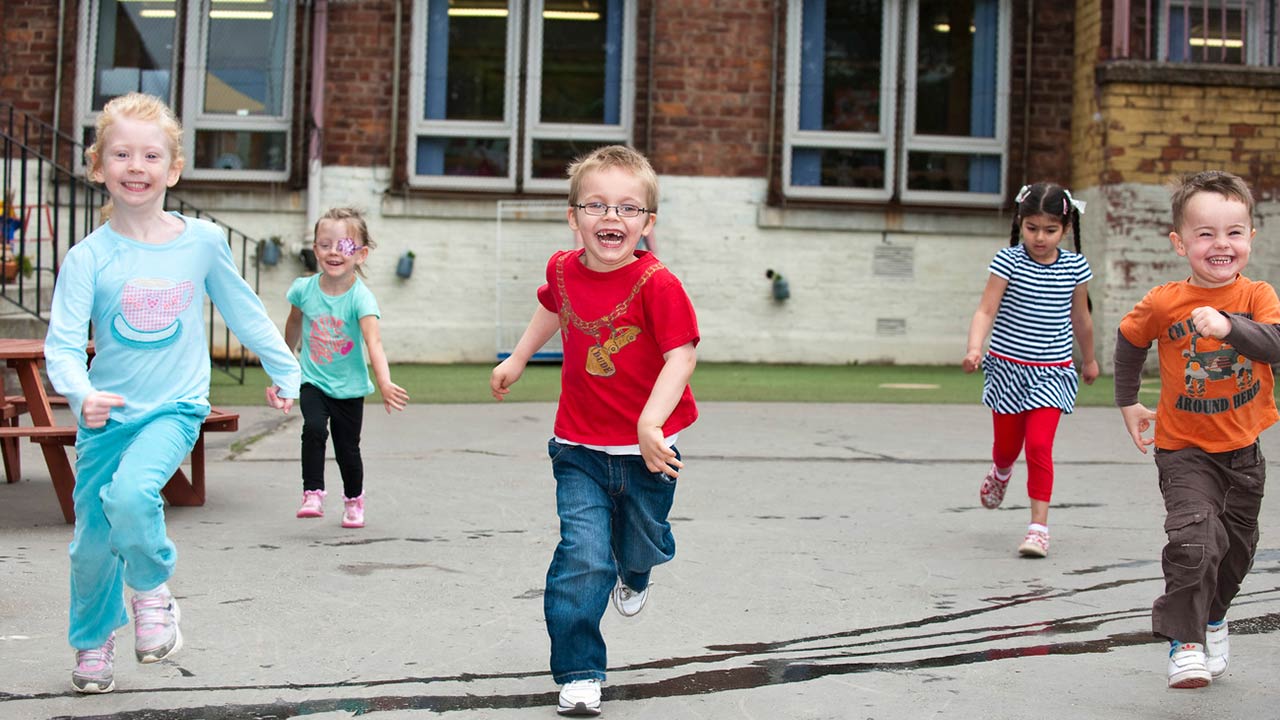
x=1206 y=364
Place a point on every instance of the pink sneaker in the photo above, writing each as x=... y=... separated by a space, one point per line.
x=992 y=491
x=312 y=504
x=93 y=673
x=1035 y=544
x=155 y=625
x=353 y=511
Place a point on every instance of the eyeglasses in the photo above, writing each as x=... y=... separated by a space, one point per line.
x=623 y=211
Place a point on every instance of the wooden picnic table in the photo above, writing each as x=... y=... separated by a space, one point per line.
x=24 y=356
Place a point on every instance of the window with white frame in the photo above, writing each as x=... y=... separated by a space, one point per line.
x=845 y=137
x=1232 y=32
x=475 y=126
x=224 y=66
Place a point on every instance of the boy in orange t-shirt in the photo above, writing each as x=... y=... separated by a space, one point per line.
x=1217 y=332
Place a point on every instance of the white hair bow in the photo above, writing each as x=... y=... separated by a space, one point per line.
x=1079 y=205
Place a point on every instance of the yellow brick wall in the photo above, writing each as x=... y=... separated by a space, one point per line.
x=1154 y=131
x=1087 y=162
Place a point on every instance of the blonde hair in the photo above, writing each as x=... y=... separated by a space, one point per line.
x=614 y=156
x=355 y=225
x=139 y=106
x=1228 y=185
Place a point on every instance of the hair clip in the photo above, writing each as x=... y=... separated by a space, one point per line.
x=1022 y=194
x=1078 y=204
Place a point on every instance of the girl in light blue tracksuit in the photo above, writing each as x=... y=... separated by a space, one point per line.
x=140 y=281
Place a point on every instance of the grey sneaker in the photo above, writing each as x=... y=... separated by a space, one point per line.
x=628 y=602
x=155 y=625
x=94 y=671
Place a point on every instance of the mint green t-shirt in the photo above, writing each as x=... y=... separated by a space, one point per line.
x=332 y=344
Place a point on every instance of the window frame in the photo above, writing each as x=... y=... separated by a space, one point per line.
x=194 y=118
x=419 y=126
x=896 y=135
x=520 y=125
x=1253 y=33
x=535 y=129
x=186 y=88
x=883 y=139
x=998 y=144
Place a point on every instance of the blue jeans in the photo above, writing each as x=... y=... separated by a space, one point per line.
x=613 y=523
x=120 y=536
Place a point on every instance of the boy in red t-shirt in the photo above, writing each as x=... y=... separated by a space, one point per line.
x=629 y=335
x=1216 y=332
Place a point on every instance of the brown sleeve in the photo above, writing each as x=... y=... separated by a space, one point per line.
x=1257 y=341
x=1129 y=361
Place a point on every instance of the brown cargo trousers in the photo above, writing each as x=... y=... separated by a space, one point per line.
x=1211 y=503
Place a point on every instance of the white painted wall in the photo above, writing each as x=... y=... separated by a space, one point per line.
x=719 y=237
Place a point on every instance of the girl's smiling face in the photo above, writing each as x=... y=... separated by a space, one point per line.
x=1216 y=237
x=610 y=241
x=137 y=164
x=337 y=251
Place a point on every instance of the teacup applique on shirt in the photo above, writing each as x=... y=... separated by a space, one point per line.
x=150 y=310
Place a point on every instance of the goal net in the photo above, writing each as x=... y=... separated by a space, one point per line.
x=528 y=232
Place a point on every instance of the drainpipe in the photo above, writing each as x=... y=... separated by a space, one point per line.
x=57 y=80
x=320 y=22
x=1026 y=92
x=395 y=98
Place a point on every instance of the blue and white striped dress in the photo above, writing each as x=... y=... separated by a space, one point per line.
x=1028 y=364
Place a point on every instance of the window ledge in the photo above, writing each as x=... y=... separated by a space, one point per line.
x=887 y=219
x=1168 y=73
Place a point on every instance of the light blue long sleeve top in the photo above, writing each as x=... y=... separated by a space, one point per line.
x=146 y=303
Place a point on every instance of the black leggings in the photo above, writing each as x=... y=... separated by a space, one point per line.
x=320 y=413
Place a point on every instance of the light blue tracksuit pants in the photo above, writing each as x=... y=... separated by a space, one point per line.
x=120 y=535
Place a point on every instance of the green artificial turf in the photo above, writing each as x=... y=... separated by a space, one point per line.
x=731 y=382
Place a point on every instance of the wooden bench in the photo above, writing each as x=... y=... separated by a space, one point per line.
x=178 y=491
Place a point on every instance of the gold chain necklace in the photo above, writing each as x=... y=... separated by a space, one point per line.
x=598 y=362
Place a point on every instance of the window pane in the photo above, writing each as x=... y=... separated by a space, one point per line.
x=840 y=65
x=237 y=150
x=581 y=61
x=1199 y=32
x=473 y=157
x=244 y=69
x=552 y=157
x=466 y=60
x=134 y=50
x=953 y=172
x=830 y=167
x=956 y=67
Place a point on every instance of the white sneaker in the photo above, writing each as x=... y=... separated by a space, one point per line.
x=628 y=602
x=1188 y=667
x=580 y=697
x=1217 y=649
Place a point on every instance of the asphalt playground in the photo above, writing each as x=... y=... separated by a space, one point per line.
x=832 y=562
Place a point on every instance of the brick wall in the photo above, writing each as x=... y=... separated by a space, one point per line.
x=29 y=38
x=711 y=87
x=1041 y=114
x=1153 y=131
x=358 y=67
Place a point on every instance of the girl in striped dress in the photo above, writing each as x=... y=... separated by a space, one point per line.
x=1035 y=303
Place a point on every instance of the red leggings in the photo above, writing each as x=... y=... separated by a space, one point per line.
x=1037 y=427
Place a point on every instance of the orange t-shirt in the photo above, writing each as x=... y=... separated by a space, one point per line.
x=1211 y=396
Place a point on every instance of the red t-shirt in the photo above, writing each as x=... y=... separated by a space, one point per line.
x=1211 y=396
x=616 y=326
